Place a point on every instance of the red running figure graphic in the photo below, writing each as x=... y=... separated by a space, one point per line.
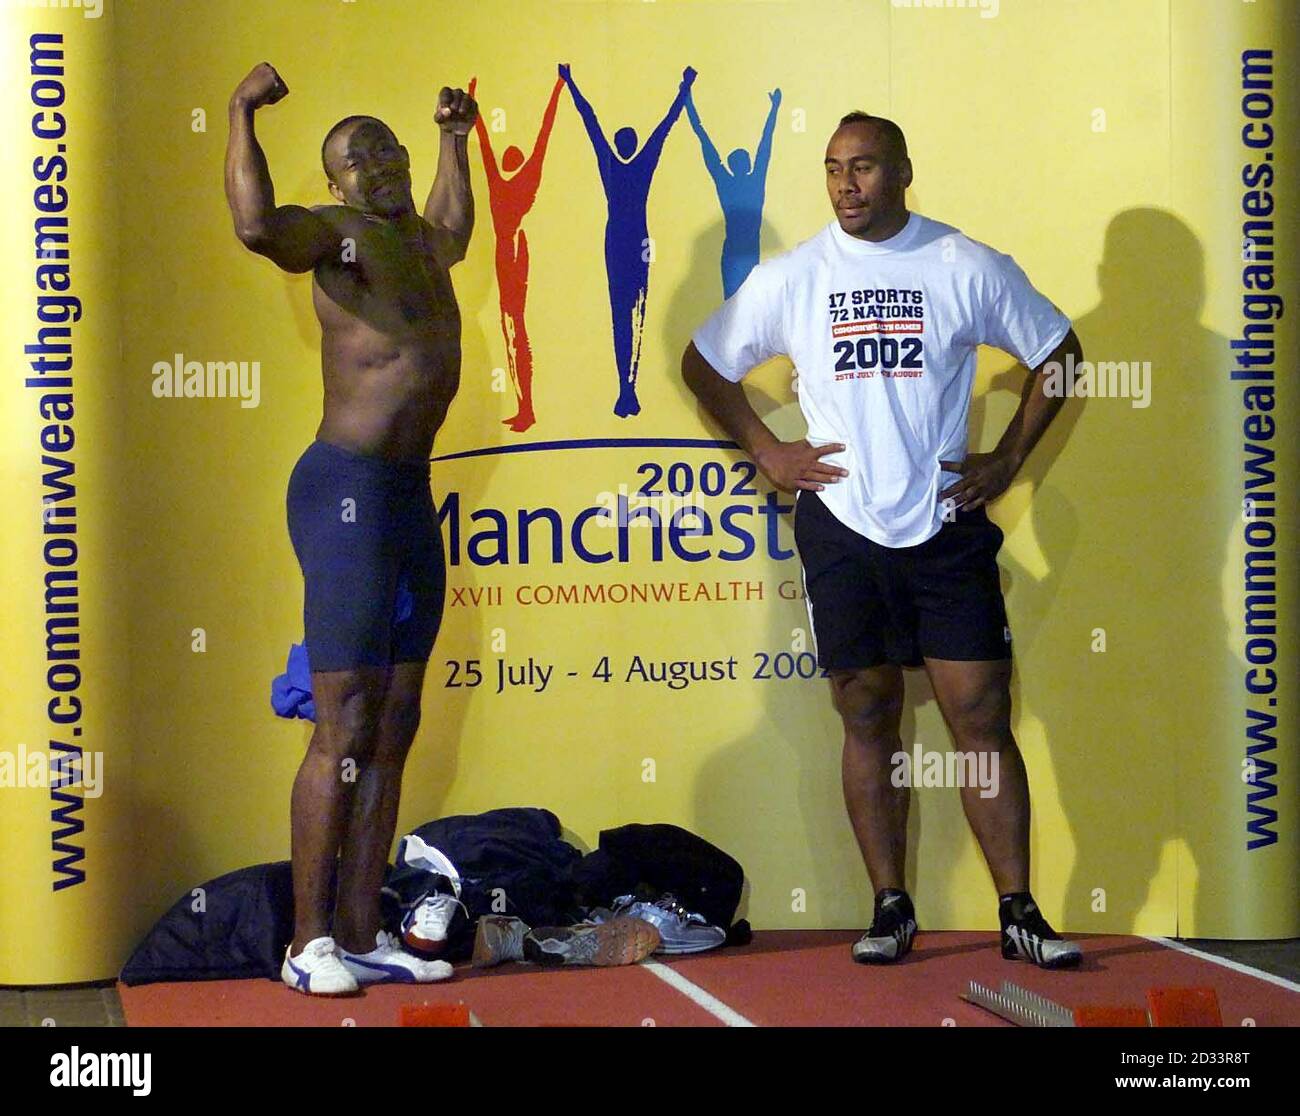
x=511 y=192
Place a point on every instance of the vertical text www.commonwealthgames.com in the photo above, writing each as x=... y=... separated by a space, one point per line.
x=50 y=360
x=1254 y=365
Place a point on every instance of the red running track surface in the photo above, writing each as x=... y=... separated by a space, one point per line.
x=784 y=978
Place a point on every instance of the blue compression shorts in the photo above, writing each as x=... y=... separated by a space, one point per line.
x=362 y=527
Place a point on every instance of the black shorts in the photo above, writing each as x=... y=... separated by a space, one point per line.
x=871 y=604
x=366 y=535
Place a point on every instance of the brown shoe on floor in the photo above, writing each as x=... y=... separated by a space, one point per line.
x=498 y=938
x=620 y=941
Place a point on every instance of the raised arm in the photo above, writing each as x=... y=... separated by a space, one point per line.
x=529 y=176
x=764 y=153
x=290 y=236
x=603 y=151
x=548 y=122
x=484 y=140
x=656 y=141
x=450 y=206
x=711 y=158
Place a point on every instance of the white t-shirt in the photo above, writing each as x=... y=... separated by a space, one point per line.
x=883 y=337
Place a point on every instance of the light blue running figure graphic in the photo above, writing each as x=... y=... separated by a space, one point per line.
x=740 y=190
x=625 y=174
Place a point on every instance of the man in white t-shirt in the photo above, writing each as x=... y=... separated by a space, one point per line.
x=882 y=312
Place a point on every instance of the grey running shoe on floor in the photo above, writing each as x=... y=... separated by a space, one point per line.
x=620 y=941
x=680 y=930
x=891 y=932
x=498 y=938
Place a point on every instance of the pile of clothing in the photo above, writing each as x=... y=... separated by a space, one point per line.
x=490 y=888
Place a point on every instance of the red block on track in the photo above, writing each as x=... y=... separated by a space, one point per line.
x=433 y=1015
x=1128 y=1016
x=1184 y=1007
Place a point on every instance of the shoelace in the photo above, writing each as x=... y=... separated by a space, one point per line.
x=388 y=941
x=327 y=960
x=435 y=912
x=667 y=903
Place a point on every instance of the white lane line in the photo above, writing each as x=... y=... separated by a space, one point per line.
x=697 y=995
x=1236 y=966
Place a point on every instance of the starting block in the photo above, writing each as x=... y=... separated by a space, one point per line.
x=1166 y=1007
x=437 y=1015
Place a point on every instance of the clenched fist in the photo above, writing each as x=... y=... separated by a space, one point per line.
x=456 y=111
x=263 y=86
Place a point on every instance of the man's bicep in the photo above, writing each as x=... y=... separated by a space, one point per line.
x=296 y=238
x=448 y=247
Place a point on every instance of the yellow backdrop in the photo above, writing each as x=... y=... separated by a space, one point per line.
x=1100 y=144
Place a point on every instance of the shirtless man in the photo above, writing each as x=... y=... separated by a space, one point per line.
x=360 y=512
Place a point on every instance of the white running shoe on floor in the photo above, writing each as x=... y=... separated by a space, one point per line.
x=424 y=926
x=388 y=962
x=318 y=970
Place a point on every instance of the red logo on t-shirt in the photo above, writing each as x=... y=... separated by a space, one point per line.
x=877 y=331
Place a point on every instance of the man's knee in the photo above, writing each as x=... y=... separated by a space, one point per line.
x=870 y=702
x=401 y=719
x=349 y=712
x=980 y=715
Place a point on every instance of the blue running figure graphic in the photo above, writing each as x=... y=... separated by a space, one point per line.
x=626 y=179
x=740 y=191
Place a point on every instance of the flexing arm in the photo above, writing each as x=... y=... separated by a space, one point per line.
x=764 y=154
x=985 y=476
x=656 y=141
x=290 y=236
x=450 y=206
x=711 y=158
x=788 y=465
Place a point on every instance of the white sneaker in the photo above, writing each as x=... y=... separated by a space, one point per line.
x=389 y=962
x=424 y=926
x=317 y=970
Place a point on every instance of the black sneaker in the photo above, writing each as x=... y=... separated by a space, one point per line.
x=893 y=926
x=1026 y=935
